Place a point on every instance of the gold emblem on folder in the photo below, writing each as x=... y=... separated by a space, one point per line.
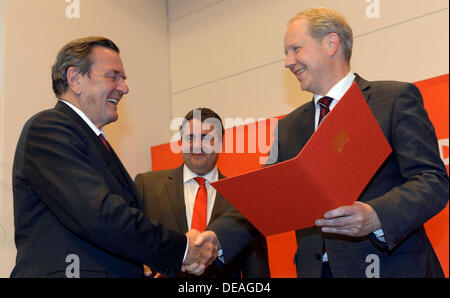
x=340 y=140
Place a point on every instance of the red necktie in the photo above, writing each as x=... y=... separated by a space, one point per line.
x=199 y=214
x=324 y=104
x=105 y=142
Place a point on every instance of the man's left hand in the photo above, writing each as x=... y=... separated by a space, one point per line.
x=354 y=220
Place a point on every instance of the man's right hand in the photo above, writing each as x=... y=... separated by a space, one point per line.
x=200 y=254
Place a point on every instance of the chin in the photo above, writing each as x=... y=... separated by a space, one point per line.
x=198 y=168
x=113 y=118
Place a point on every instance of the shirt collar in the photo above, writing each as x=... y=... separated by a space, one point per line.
x=339 y=89
x=210 y=177
x=85 y=118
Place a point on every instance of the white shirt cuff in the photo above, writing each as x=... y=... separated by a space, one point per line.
x=380 y=235
x=186 y=251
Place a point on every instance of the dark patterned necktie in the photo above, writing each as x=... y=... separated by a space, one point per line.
x=105 y=142
x=324 y=104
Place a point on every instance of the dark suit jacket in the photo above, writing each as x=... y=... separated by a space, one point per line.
x=71 y=196
x=163 y=193
x=409 y=188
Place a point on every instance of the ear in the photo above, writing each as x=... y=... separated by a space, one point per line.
x=332 y=42
x=73 y=79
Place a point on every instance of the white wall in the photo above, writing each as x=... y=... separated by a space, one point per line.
x=228 y=55
x=34 y=32
x=7 y=251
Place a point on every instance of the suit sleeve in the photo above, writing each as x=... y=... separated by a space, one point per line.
x=274 y=149
x=60 y=167
x=233 y=231
x=256 y=263
x=139 y=185
x=424 y=191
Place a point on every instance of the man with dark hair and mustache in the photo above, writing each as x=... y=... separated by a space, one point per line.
x=171 y=197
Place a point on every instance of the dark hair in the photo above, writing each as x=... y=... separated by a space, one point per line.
x=205 y=114
x=76 y=53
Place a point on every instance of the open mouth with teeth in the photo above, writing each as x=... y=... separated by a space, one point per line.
x=113 y=101
x=300 y=71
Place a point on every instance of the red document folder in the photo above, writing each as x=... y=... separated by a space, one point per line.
x=331 y=170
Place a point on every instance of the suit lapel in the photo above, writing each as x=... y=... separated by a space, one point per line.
x=175 y=191
x=220 y=204
x=306 y=119
x=364 y=86
x=122 y=175
x=111 y=159
x=62 y=107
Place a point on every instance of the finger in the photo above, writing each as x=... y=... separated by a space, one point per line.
x=209 y=249
x=340 y=231
x=186 y=268
x=202 y=238
x=147 y=271
x=189 y=268
x=338 y=212
x=192 y=234
x=199 y=270
x=335 y=222
x=210 y=260
x=194 y=269
x=209 y=236
x=205 y=237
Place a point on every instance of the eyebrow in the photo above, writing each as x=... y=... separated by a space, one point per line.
x=116 y=72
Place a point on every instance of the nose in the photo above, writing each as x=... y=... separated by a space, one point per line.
x=123 y=87
x=197 y=143
x=289 y=61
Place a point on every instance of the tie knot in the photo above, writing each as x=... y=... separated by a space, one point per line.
x=325 y=102
x=200 y=180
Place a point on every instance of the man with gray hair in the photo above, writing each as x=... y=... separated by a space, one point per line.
x=77 y=213
x=410 y=187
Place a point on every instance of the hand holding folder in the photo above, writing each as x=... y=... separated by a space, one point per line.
x=332 y=170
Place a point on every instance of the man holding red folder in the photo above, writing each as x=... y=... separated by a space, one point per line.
x=381 y=234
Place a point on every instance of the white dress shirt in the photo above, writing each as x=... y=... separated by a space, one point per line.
x=85 y=118
x=190 y=191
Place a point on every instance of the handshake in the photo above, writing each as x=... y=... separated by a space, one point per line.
x=202 y=251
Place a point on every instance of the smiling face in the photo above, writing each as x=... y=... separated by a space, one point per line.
x=201 y=143
x=308 y=58
x=101 y=89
